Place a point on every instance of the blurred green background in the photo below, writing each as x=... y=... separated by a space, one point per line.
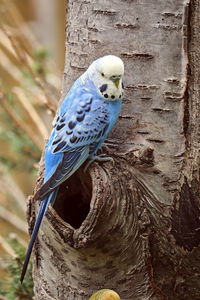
x=32 y=47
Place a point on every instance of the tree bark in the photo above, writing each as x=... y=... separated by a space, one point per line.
x=132 y=226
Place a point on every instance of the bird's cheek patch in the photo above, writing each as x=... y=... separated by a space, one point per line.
x=103 y=88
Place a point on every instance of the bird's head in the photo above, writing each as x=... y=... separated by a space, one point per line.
x=107 y=74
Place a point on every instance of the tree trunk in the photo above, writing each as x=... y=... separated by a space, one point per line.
x=132 y=226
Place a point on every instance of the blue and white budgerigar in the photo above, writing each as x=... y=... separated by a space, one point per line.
x=84 y=120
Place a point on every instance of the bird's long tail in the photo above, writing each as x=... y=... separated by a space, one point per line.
x=43 y=208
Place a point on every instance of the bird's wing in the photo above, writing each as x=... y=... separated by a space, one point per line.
x=70 y=162
x=75 y=135
x=82 y=125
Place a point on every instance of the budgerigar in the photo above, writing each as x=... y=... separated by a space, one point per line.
x=84 y=120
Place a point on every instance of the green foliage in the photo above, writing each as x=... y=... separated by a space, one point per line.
x=41 y=53
x=40 y=56
x=11 y=287
x=22 y=153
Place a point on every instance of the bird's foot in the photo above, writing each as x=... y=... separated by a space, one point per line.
x=101 y=157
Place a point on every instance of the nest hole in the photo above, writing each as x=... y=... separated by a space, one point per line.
x=73 y=200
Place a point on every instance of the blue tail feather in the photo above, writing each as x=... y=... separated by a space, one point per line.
x=53 y=198
x=43 y=208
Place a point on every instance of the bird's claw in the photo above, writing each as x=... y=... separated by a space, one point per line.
x=101 y=157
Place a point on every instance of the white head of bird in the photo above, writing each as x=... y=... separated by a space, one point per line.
x=106 y=74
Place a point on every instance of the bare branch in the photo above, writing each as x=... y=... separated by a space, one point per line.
x=32 y=112
x=20 y=123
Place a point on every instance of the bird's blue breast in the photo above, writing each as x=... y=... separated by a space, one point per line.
x=114 y=110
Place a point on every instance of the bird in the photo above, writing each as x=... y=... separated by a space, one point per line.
x=83 y=122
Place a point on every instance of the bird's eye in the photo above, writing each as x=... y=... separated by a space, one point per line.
x=102 y=74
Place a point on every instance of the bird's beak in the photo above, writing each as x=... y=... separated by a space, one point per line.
x=116 y=82
x=115 y=79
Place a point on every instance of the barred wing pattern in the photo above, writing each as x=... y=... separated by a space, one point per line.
x=84 y=126
x=77 y=134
